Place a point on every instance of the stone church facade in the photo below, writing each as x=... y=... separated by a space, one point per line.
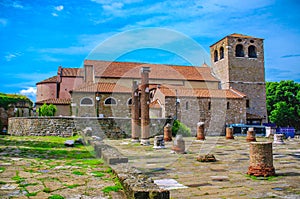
x=231 y=90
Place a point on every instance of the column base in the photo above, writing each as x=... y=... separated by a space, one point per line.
x=261 y=171
x=145 y=142
x=135 y=140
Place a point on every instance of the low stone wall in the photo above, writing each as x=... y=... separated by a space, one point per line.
x=66 y=126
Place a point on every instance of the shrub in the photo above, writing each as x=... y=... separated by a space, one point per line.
x=180 y=128
x=47 y=110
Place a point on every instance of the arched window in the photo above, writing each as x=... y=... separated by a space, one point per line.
x=129 y=102
x=252 y=52
x=221 y=53
x=86 y=101
x=216 y=55
x=110 y=101
x=228 y=105
x=239 y=50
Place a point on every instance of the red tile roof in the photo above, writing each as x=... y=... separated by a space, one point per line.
x=154 y=104
x=103 y=88
x=158 y=71
x=203 y=93
x=49 y=80
x=70 y=72
x=55 y=101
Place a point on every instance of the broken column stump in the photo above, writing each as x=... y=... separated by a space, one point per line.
x=159 y=142
x=250 y=135
x=200 y=131
x=179 y=145
x=261 y=159
x=168 y=133
x=278 y=139
x=229 y=133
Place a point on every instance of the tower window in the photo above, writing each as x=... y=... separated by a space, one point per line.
x=252 y=52
x=209 y=105
x=216 y=55
x=239 y=50
x=110 y=101
x=228 y=105
x=247 y=103
x=187 y=106
x=221 y=53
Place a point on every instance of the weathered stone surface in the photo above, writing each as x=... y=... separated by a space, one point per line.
x=278 y=139
x=206 y=158
x=69 y=143
x=261 y=159
x=251 y=135
x=168 y=132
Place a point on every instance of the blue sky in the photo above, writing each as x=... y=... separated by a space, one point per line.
x=37 y=36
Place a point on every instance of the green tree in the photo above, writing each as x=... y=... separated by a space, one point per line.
x=180 y=128
x=47 y=110
x=283 y=103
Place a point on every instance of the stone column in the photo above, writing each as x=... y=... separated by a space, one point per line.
x=135 y=114
x=251 y=135
x=168 y=133
x=261 y=159
x=229 y=133
x=179 y=145
x=278 y=139
x=200 y=131
x=145 y=118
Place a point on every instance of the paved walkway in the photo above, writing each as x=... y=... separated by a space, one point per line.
x=225 y=178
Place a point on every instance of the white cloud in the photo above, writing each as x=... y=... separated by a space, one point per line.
x=11 y=56
x=30 y=91
x=54 y=14
x=59 y=8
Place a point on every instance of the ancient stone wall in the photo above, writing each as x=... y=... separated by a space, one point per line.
x=214 y=112
x=66 y=126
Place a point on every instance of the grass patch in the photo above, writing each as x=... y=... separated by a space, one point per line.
x=56 y=196
x=79 y=173
x=72 y=186
x=114 y=188
x=98 y=174
x=47 y=190
x=31 y=194
x=1 y=182
x=17 y=178
x=269 y=178
x=2 y=169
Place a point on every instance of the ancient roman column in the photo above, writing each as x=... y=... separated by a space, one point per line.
x=135 y=114
x=168 y=133
x=261 y=159
x=229 y=133
x=200 y=131
x=145 y=101
x=250 y=135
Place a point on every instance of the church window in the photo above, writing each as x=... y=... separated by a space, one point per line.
x=216 y=55
x=221 y=53
x=86 y=101
x=251 y=41
x=228 y=105
x=252 y=52
x=129 y=101
x=239 y=50
x=239 y=40
x=187 y=106
x=110 y=101
x=209 y=105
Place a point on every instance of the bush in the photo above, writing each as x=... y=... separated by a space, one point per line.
x=47 y=110
x=180 y=128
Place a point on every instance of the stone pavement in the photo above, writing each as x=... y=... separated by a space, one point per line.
x=226 y=178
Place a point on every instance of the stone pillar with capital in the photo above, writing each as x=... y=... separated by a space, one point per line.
x=145 y=101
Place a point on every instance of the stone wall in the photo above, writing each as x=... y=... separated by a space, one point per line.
x=66 y=126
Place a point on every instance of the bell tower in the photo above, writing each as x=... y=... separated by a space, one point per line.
x=238 y=62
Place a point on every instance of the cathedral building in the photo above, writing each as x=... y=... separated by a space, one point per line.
x=231 y=90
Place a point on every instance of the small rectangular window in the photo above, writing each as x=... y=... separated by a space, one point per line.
x=247 y=103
